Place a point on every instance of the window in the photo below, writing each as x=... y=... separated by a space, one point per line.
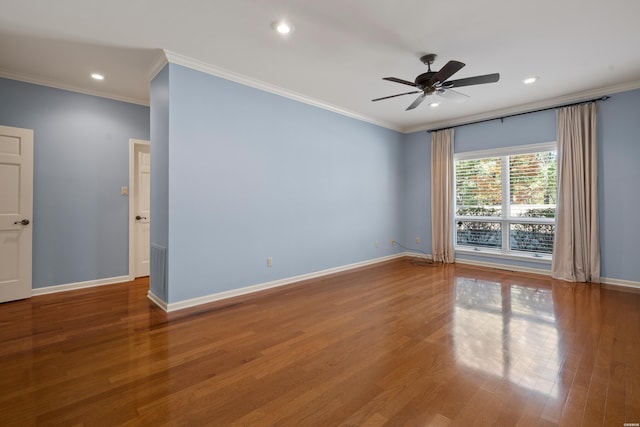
x=506 y=200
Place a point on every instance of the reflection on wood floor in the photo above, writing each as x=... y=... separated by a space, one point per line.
x=393 y=344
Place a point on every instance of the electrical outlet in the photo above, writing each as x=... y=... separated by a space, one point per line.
x=417 y=241
x=377 y=245
x=269 y=262
x=392 y=242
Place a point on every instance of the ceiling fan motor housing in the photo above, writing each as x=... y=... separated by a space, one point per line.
x=423 y=79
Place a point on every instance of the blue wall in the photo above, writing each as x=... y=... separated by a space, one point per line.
x=81 y=159
x=619 y=156
x=240 y=175
x=520 y=130
x=619 y=195
x=159 y=96
x=255 y=175
x=417 y=191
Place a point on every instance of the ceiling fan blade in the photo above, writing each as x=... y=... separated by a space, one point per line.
x=417 y=102
x=393 y=96
x=452 y=95
x=445 y=72
x=404 y=82
x=470 y=81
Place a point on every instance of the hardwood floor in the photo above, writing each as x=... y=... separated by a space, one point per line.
x=393 y=344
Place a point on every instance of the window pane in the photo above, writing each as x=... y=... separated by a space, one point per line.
x=532 y=185
x=479 y=234
x=532 y=238
x=478 y=187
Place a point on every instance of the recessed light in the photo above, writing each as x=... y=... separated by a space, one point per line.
x=434 y=104
x=97 y=76
x=530 y=80
x=283 y=27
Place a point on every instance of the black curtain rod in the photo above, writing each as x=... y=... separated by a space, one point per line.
x=602 y=98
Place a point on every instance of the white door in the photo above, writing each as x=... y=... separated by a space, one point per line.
x=142 y=202
x=16 y=207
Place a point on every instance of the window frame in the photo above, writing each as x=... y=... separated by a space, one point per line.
x=506 y=220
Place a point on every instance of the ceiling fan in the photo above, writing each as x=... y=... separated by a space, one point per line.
x=436 y=83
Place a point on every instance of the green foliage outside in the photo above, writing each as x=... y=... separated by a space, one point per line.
x=532 y=238
x=540 y=213
x=479 y=234
x=532 y=181
x=533 y=178
x=478 y=183
x=478 y=211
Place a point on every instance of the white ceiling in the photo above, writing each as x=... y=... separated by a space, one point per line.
x=339 y=52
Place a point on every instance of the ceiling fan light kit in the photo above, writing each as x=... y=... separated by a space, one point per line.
x=283 y=27
x=437 y=82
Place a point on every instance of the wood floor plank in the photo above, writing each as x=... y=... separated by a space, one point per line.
x=390 y=344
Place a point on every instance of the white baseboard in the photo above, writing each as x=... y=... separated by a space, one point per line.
x=79 y=285
x=157 y=300
x=603 y=280
x=620 y=282
x=289 y=280
x=263 y=286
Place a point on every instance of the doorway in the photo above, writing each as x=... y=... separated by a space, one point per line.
x=139 y=207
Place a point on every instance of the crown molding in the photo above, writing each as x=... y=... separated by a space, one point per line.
x=57 y=85
x=157 y=65
x=164 y=57
x=197 y=65
x=525 y=108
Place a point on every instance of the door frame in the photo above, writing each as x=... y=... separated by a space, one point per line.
x=25 y=232
x=132 y=194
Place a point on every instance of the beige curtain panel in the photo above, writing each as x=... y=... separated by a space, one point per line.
x=442 y=196
x=576 y=248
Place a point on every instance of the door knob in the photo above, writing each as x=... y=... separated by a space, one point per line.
x=23 y=222
x=138 y=217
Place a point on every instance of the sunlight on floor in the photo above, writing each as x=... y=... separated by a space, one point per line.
x=507 y=331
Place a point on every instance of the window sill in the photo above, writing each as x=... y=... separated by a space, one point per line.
x=544 y=259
